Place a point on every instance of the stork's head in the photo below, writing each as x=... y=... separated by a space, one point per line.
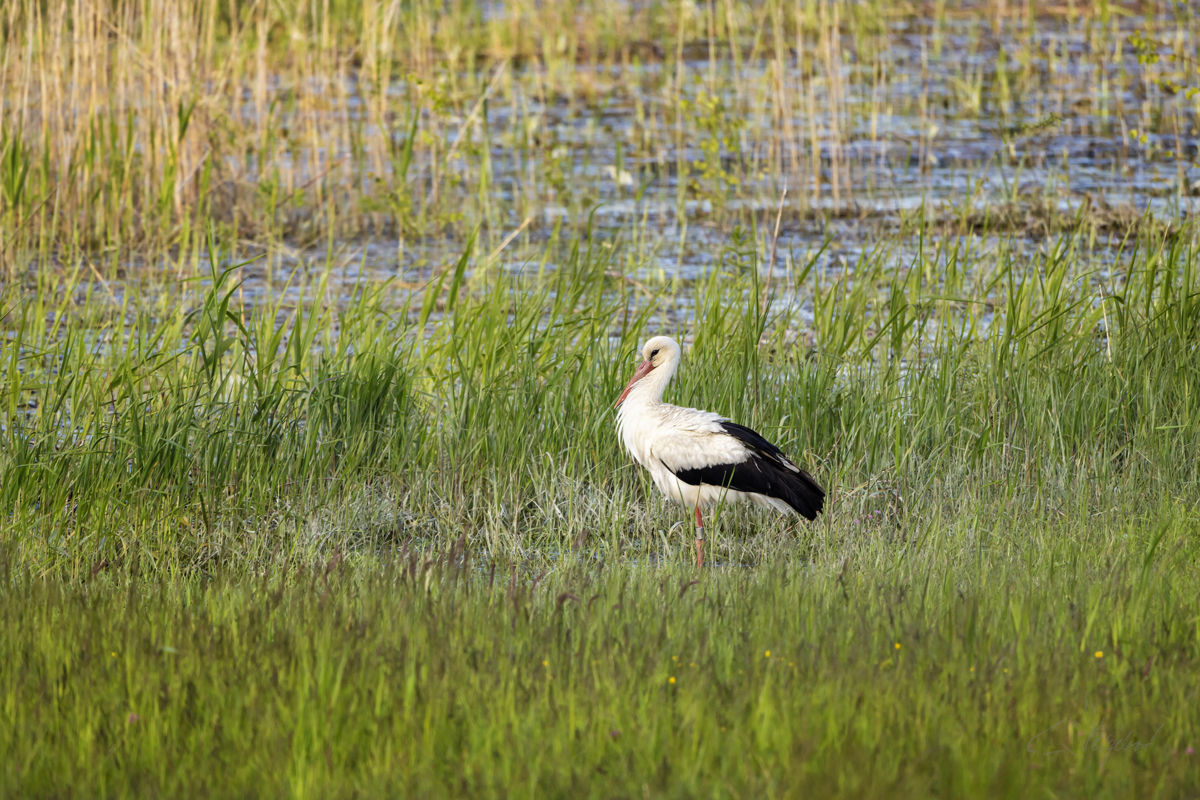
x=661 y=352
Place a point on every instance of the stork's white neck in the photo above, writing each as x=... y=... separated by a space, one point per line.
x=640 y=416
x=649 y=390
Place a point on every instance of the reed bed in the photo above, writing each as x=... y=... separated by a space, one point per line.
x=127 y=128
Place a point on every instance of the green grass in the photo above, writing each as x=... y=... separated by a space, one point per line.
x=361 y=527
x=923 y=669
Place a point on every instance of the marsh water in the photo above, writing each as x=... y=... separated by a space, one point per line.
x=1007 y=131
x=878 y=135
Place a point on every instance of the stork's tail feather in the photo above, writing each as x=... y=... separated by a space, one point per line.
x=802 y=493
x=776 y=476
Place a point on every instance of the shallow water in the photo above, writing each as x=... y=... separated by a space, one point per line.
x=946 y=125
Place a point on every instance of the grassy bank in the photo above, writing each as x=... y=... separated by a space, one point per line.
x=994 y=657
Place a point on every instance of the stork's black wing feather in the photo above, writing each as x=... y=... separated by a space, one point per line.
x=767 y=471
x=754 y=441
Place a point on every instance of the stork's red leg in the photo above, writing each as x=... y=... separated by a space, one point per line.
x=699 y=539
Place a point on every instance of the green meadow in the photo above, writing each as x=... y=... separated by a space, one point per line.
x=313 y=317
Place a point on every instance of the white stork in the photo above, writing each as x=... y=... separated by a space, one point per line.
x=698 y=457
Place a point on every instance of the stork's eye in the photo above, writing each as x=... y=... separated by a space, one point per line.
x=652 y=355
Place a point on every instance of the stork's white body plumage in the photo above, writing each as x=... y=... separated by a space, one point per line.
x=667 y=440
x=699 y=458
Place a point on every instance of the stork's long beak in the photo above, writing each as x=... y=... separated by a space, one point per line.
x=642 y=371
